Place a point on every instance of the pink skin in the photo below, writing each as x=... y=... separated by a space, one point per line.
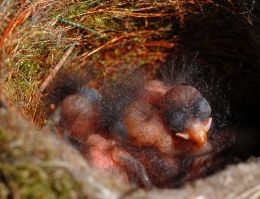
x=153 y=92
x=79 y=116
x=105 y=155
x=145 y=127
x=101 y=152
x=156 y=86
x=144 y=123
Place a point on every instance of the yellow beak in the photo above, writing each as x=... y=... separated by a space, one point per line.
x=197 y=131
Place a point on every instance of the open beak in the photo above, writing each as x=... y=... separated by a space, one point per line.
x=197 y=131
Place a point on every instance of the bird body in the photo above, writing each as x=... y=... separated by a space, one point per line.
x=79 y=115
x=146 y=127
x=154 y=141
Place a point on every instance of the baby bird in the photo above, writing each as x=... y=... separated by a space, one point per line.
x=162 y=111
x=151 y=127
x=187 y=113
x=80 y=124
x=80 y=113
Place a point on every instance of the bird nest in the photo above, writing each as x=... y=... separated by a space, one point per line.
x=40 y=39
x=30 y=169
x=43 y=43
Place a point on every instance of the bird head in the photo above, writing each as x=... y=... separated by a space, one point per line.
x=187 y=113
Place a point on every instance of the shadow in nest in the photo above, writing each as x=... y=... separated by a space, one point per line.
x=226 y=47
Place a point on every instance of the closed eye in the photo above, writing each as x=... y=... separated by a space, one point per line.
x=177 y=119
x=201 y=109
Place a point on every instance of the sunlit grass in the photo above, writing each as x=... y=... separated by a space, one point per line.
x=111 y=37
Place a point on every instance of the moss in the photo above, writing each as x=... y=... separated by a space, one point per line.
x=2 y=136
x=106 y=22
x=26 y=172
x=77 y=9
x=28 y=180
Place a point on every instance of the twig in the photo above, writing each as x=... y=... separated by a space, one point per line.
x=138 y=15
x=163 y=44
x=61 y=19
x=114 y=40
x=55 y=70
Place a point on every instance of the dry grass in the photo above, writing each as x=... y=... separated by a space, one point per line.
x=110 y=37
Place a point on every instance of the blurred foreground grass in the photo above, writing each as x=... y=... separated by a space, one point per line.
x=26 y=173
